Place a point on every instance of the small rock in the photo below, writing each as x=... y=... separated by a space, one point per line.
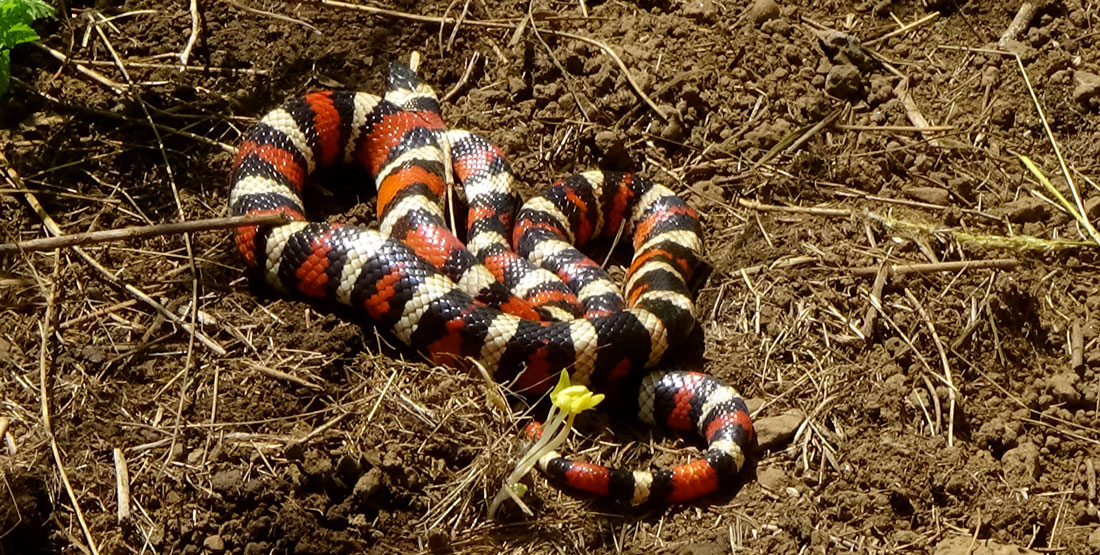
x=842 y=48
x=1025 y=52
x=965 y=545
x=1064 y=388
x=1087 y=91
x=368 y=484
x=613 y=146
x=763 y=11
x=214 y=544
x=931 y=195
x=256 y=548
x=1024 y=210
x=701 y=11
x=844 y=81
x=1094 y=541
x=754 y=404
x=156 y=535
x=775 y=431
x=1021 y=465
x=1092 y=207
x=316 y=464
x=673 y=129
x=93 y=354
x=771 y=478
x=195 y=455
x=226 y=480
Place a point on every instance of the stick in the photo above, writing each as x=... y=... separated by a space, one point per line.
x=876 y=303
x=946 y=367
x=9 y=172
x=4 y=423
x=96 y=76
x=756 y=205
x=462 y=80
x=122 y=483
x=280 y=17
x=1077 y=345
x=280 y=375
x=779 y=264
x=45 y=362
x=903 y=28
x=1090 y=477
x=171 y=228
x=196 y=22
x=1023 y=18
x=203 y=69
x=902 y=269
x=894 y=128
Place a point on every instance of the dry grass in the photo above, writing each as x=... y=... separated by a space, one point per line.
x=153 y=398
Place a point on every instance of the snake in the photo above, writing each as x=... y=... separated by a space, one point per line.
x=518 y=296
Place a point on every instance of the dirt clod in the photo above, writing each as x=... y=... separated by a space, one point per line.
x=1087 y=91
x=214 y=544
x=940 y=399
x=931 y=195
x=701 y=11
x=1021 y=465
x=763 y=11
x=1025 y=209
x=844 y=81
x=1064 y=388
x=774 y=432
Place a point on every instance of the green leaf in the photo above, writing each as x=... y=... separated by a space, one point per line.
x=12 y=12
x=38 y=9
x=17 y=34
x=15 y=19
x=5 y=71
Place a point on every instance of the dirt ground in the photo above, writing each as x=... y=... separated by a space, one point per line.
x=935 y=407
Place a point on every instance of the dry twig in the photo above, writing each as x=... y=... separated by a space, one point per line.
x=9 y=173
x=122 y=484
x=196 y=24
x=45 y=364
x=170 y=228
x=947 y=374
x=96 y=76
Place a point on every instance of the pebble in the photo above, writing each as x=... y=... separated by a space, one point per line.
x=763 y=11
x=1063 y=387
x=214 y=543
x=368 y=484
x=1092 y=207
x=844 y=81
x=1025 y=209
x=774 y=432
x=1094 y=541
x=771 y=478
x=931 y=195
x=1087 y=91
x=701 y=11
x=226 y=480
x=1026 y=53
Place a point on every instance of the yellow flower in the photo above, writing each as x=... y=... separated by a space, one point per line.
x=573 y=399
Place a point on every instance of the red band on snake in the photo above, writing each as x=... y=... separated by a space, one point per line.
x=526 y=314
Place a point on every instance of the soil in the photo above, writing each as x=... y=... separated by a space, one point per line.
x=935 y=408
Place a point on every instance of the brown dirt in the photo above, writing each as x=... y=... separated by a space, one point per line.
x=369 y=453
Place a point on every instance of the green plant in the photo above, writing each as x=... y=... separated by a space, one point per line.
x=15 y=28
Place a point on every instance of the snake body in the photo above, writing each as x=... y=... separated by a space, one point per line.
x=518 y=296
